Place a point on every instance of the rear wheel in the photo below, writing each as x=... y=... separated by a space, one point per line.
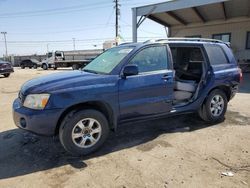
x=215 y=107
x=45 y=66
x=35 y=66
x=7 y=75
x=83 y=132
x=22 y=66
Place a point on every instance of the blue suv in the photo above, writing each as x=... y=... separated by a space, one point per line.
x=130 y=82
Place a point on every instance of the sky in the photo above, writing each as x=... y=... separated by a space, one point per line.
x=33 y=26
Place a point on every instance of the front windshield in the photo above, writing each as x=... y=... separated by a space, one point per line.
x=108 y=60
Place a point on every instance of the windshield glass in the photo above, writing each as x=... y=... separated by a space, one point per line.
x=108 y=60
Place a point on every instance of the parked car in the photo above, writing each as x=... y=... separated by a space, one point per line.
x=5 y=68
x=31 y=63
x=131 y=82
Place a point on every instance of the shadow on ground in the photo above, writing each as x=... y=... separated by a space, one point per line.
x=23 y=153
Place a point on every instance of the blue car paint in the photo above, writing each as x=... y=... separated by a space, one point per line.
x=137 y=97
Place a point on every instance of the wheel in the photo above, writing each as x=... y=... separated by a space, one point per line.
x=35 y=66
x=55 y=68
x=45 y=66
x=30 y=67
x=75 y=67
x=7 y=75
x=83 y=132
x=215 y=107
x=22 y=67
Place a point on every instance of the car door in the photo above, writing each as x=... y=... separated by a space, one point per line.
x=151 y=91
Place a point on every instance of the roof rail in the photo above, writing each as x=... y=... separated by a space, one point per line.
x=125 y=43
x=189 y=39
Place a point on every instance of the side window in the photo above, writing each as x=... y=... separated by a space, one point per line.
x=216 y=55
x=50 y=55
x=151 y=59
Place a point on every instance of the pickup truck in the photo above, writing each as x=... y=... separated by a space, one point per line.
x=130 y=82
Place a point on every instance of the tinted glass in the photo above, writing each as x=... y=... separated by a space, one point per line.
x=216 y=55
x=151 y=59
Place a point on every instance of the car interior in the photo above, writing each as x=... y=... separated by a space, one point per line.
x=188 y=65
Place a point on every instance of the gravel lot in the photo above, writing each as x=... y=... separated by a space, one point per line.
x=181 y=151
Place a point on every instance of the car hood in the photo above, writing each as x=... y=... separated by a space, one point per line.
x=64 y=81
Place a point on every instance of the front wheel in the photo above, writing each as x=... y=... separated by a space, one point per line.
x=6 y=75
x=45 y=66
x=83 y=132
x=215 y=107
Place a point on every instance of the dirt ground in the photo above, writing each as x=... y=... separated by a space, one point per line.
x=181 y=151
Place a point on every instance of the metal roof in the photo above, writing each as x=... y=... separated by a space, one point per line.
x=184 y=12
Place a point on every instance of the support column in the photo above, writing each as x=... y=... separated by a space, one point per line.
x=134 y=24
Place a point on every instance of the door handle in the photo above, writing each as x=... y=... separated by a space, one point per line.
x=166 y=77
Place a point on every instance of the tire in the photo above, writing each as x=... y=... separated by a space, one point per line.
x=35 y=66
x=44 y=66
x=75 y=123
x=6 y=75
x=22 y=67
x=215 y=106
x=75 y=66
x=55 y=68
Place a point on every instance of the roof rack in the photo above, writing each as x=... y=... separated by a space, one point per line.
x=125 y=43
x=189 y=39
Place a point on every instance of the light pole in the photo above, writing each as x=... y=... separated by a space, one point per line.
x=6 y=50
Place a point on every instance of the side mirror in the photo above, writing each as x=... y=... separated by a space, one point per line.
x=130 y=70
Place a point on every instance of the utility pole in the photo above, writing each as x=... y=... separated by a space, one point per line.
x=48 y=47
x=5 y=41
x=117 y=14
x=74 y=43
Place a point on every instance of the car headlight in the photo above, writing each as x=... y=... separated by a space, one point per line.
x=36 y=101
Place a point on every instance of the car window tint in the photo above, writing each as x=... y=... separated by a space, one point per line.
x=151 y=59
x=216 y=55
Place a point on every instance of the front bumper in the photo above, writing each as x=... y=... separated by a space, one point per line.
x=6 y=71
x=42 y=122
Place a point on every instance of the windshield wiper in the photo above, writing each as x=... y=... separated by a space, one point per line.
x=90 y=71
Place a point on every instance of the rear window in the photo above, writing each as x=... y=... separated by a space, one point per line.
x=216 y=55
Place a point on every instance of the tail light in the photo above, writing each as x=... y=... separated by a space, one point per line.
x=241 y=75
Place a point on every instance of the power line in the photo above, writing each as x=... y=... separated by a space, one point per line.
x=55 y=13
x=58 y=32
x=55 y=9
x=58 y=41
